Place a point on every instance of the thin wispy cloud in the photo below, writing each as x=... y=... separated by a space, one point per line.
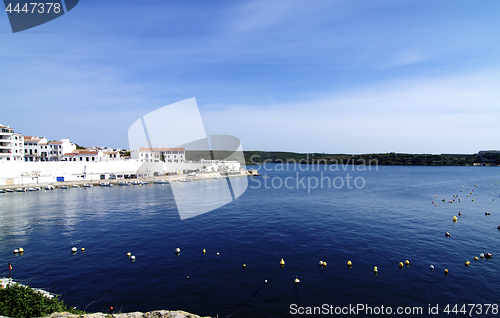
x=284 y=75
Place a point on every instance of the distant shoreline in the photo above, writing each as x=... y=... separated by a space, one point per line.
x=488 y=158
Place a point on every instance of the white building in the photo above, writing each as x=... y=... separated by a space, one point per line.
x=111 y=154
x=220 y=165
x=159 y=154
x=38 y=149
x=32 y=147
x=11 y=145
x=83 y=155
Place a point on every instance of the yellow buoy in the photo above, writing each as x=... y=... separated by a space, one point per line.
x=400 y=264
x=349 y=263
x=407 y=262
x=21 y=250
x=467 y=263
x=83 y=248
x=297 y=280
x=446 y=271
x=244 y=265
x=472 y=199
x=475 y=258
x=129 y=254
x=204 y=251
x=282 y=262
x=375 y=269
x=187 y=277
x=324 y=264
x=436 y=196
x=454 y=219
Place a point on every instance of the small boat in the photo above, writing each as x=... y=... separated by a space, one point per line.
x=191 y=174
x=2 y=191
x=49 y=187
x=76 y=186
x=9 y=190
x=185 y=180
x=38 y=189
x=105 y=184
x=122 y=183
x=145 y=182
x=136 y=182
x=162 y=182
x=87 y=185
x=20 y=190
x=217 y=177
x=63 y=187
x=31 y=189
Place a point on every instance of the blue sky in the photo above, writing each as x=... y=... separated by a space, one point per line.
x=304 y=76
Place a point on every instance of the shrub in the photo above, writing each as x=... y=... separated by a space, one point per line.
x=22 y=301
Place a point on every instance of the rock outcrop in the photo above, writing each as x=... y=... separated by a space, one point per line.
x=152 y=314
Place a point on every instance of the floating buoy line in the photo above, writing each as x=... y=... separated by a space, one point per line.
x=322 y=264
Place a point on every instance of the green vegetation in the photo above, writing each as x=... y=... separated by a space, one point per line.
x=396 y=159
x=21 y=301
x=383 y=159
x=124 y=153
x=79 y=147
x=495 y=157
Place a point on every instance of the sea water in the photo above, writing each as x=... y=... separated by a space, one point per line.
x=303 y=214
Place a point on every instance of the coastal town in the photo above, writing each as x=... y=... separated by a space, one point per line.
x=35 y=160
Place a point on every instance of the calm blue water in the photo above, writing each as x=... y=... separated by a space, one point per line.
x=387 y=221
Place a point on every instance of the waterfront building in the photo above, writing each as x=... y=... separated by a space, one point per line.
x=220 y=165
x=83 y=155
x=39 y=149
x=32 y=147
x=111 y=154
x=159 y=154
x=11 y=144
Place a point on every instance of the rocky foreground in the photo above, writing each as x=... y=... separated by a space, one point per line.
x=152 y=314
